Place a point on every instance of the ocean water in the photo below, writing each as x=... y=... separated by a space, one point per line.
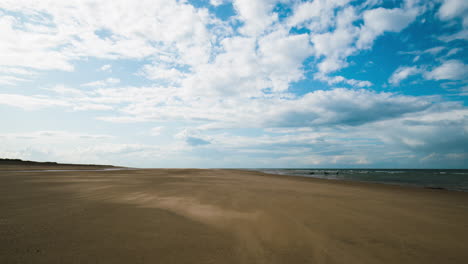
x=450 y=179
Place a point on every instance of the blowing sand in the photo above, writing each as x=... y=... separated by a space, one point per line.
x=223 y=216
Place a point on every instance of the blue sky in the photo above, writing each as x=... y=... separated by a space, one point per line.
x=243 y=83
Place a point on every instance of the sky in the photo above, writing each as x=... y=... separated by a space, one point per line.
x=237 y=84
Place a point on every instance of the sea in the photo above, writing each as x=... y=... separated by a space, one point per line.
x=449 y=179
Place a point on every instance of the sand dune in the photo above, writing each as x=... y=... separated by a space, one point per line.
x=223 y=216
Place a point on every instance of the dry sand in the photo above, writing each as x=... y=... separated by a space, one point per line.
x=224 y=216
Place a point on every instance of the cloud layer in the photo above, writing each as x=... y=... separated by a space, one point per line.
x=236 y=83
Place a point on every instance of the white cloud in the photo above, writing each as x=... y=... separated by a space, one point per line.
x=192 y=137
x=11 y=80
x=206 y=74
x=451 y=10
x=319 y=108
x=339 y=106
x=453 y=51
x=462 y=34
x=449 y=70
x=336 y=45
x=66 y=91
x=256 y=15
x=281 y=57
x=161 y=72
x=434 y=50
x=56 y=135
x=18 y=71
x=121 y=119
x=393 y=20
x=403 y=73
x=106 y=67
x=408 y=138
x=91 y=107
x=106 y=82
x=346 y=38
x=30 y=102
x=204 y=55
x=317 y=16
x=17 y=51
x=332 y=80
x=156 y=131
x=217 y=2
x=245 y=66
x=74 y=147
x=69 y=31
x=15 y=75
x=426 y=132
x=380 y=20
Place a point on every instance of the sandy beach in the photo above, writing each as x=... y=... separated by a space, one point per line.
x=223 y=216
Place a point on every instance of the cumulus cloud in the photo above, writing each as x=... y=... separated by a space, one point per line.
x=205 y=55
x=187 y=67
x=380 y=20
x=246 y=66
x=455 y=9
x=407 y=138
x=344 y=107
x=317 y=16
x=337 y=45
x=319 y=108
x=347 y=39
x=281 y=56
x=17 y=49
x=64 y=32
x=256 y=15
x=449 y=70
x=338 y=106
x=426 y=132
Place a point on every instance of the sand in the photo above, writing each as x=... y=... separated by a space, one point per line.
x=224 y=216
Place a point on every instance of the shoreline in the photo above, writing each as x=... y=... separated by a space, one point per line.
x=401 y=184
x=97 y=168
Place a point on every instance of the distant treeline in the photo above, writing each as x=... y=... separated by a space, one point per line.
x=37 y=163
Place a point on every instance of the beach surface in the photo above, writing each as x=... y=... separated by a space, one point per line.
x=223 y=216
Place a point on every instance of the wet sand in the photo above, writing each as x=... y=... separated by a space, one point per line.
x=223 y=216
